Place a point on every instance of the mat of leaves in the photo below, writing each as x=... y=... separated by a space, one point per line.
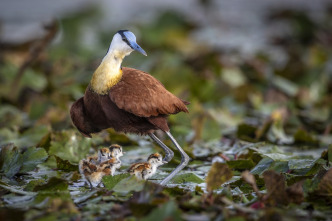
x=258 y=180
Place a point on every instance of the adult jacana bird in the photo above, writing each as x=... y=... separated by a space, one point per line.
x=128 y=100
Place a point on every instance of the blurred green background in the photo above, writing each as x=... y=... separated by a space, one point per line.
x=241 y=65
x=258 y=75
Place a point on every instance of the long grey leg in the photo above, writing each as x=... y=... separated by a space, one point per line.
x=184 y=160
x=168 y=152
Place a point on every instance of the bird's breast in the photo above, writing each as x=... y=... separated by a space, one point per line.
x=104 y=78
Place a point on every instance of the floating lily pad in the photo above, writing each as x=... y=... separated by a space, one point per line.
x=168 y=211
x=240 y=164
x=129 y=184
x=111 y=181
x=65 y=165
x=32 y=157
x=11 y=160
x=187 y=178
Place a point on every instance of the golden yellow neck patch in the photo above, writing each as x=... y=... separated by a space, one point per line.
x=107 y=75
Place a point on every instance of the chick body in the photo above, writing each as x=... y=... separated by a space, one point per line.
x=93 y=168
x=145 y=170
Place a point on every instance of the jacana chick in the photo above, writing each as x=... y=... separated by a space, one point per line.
x=145 y=170
x=92 y=161
x=94 y=174
x=116 y=152
x=103 y=155
x=127 y=100
x=94 y=168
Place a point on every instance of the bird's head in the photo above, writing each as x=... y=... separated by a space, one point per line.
x=103 y=154
x=155 y=159
x=124 y=42
x=116 y=151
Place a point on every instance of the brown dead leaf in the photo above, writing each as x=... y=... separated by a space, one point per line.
x=250 y=179
x=218 y=174
x=325 y=186
x=295 y=193
x=276 y=188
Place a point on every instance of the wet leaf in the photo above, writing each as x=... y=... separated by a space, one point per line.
x=33 y=183
x=218 y=174
x=129 y=184
x=187 y=178
x=32 y=157
x=246 y=132
x=262 y=166
x=65 y=165
x=240 y=164
x=111 y=181
x=168 y=211
x=303 y=137
x=69 y=145
x=11 y=160
x=53 y=185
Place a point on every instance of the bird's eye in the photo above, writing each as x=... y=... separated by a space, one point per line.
x=123 y=39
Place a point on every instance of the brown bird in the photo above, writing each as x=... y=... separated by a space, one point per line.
x=144 y=171
x=128 y=100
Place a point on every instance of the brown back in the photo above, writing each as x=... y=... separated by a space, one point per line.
x=142 y=95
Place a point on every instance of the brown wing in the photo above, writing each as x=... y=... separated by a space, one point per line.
x=142 y=95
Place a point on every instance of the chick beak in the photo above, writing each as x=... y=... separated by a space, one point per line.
x=138 y=48
x=164 y=162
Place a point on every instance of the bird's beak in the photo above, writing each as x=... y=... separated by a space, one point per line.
x=138 y=48
x=164 y=162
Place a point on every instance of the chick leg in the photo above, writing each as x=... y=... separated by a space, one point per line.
x=184 y=160
x=168 y=152
x=90 y=184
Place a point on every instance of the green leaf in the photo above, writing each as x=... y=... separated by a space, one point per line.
x=218 y=174
x=187 y=178
x=129 y=184
x=111 y=181
x=240 y=164
x=168 y=211
x=303 y=137
x=246 y=132
x=11 y=160
x=65 y=165
x=279 y=166
x=54 y=188
x=53 y=185
x=28 y=138
x=69 y=145
x=263 y=165
x=32 y=157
